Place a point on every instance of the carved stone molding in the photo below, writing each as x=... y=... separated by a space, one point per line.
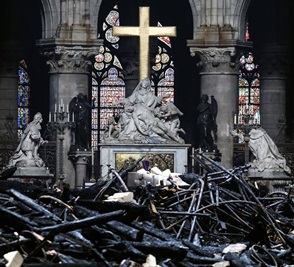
x=70 y=59
x=79 y=157
x=217 y=59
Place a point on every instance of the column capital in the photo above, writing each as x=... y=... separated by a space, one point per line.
x=219 y=57
x=79 y=157
x=214 y=59
x=65 y=58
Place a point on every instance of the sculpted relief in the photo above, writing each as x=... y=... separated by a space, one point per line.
x=146 y=118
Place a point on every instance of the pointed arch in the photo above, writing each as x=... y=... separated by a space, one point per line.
x=50 y=15
x=239 y=13
x=196 y=7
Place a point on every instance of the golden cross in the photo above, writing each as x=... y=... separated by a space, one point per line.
x=144 y=31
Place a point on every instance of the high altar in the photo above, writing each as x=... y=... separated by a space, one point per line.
x=149 y=125
x=119 y=156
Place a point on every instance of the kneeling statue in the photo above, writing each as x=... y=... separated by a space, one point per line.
x=26 y=154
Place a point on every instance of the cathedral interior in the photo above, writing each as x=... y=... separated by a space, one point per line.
x=66 y=80
x=205 y=57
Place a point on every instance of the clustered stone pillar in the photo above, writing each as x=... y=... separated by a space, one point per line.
x=219 y=77
x=80 y=160
x=273 y=65
x=70 y=69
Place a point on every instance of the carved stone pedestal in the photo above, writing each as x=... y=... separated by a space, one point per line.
x=27 y=174
x=32 y=172
x=80 y=160
x=277 y=180
x=164 y=156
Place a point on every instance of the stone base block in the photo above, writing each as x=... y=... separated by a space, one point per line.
x=32 y=172
x=173 y=157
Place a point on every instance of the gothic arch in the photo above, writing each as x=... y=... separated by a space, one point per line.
x=50 y=14
x=239 y=18
x=237 y=15
x=195 y=8
x=94 y=11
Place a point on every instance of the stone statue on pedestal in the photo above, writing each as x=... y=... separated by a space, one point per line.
x=25 y=162
x=146 y=119
x=26 y=154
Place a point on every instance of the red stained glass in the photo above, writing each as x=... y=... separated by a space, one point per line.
x=249 y=91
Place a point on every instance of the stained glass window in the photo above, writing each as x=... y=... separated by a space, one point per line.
x=23 y=98
x=108 y=86
x=163 y=69
x=249 y=91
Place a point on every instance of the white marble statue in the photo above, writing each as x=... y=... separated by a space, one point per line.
x=26 y=154
x=146 y=119
x=265 y=151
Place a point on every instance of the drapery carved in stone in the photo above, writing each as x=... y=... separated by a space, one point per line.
x=75 y=59
x=217 y=59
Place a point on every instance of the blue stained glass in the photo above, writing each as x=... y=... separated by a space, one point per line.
x=23 y=118
x=23 y=95
x=23 y=98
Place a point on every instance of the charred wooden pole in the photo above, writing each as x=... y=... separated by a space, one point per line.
x=70 y=226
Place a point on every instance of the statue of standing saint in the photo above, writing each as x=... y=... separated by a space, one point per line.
x=206 y=123
x=80 y=108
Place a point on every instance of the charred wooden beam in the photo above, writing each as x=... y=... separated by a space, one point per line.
x=31 y=203
x=16 y=220
x=70 y=226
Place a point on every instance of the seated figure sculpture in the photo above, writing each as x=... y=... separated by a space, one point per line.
x=26 y=154
x=265 y=151
x=142 y=121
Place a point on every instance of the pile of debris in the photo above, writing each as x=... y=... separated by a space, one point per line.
x=217 y=219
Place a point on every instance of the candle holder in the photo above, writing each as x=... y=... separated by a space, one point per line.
x=59 y=125
x=93 y=179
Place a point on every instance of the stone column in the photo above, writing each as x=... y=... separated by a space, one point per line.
x=272 y=68
x=80 y=160
x=219 y=77
x=69 y=74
